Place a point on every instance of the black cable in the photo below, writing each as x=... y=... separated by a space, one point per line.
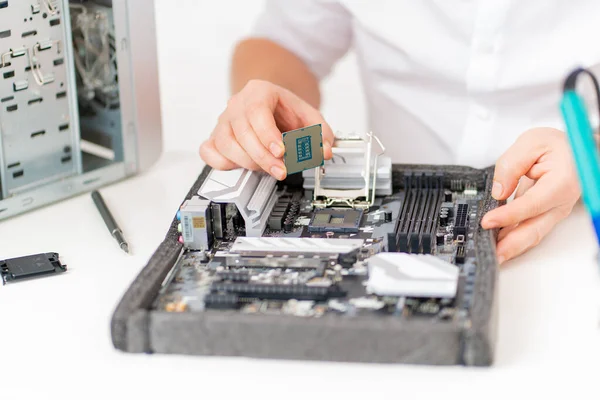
x=571 y=84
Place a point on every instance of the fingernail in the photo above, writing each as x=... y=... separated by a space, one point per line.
x=496 y=190
x=276 y=149
x=501 y=260
x=278 y=173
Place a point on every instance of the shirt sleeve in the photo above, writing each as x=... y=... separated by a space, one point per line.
x=319 y=32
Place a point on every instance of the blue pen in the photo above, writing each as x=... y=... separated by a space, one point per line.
x=581 y=139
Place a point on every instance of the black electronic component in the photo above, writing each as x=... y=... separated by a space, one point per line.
x=460 y=221
x=413 y=241
x=392 y=246
x=276 y=221
x=347 y=260
x=447 y=195
x=278 y=215
x=426 y=243
x=443 y=218
x=388 y=216
x=221 y=301
x=346 y=220
x=448 y=207
x=278 y=291
x=440 y=238
x=234 y=276
x=288 y=224
x=33 y=266
x=460 y=254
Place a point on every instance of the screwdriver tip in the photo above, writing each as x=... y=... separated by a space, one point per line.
x=125 y=247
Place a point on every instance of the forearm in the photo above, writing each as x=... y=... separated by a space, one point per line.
x=265 y=60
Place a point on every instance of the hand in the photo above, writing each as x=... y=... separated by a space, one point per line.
x=541 y=163
x=248 y=133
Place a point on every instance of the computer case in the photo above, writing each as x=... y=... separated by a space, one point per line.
x=79 y=97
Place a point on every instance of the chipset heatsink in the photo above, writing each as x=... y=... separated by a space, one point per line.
x=303 y=149
x=411 y=275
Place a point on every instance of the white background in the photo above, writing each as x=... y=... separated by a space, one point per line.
x=54 y=332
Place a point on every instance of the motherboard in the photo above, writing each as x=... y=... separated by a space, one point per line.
x=343 y=241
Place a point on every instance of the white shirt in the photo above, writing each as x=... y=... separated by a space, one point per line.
x=446 y=81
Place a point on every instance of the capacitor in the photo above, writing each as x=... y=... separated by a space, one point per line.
x=443 y=219
x=440 y=239
x=447 y=195
x=388 y=216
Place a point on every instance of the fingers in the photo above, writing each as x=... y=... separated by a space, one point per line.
x=248 y=133
x=527 y=235
x=502 y=233
x=304 y=115
x=247 y=138
x=524 y=185
x=212 y=157
x=227 y=145
x=262 y=121
x=328 y=139
x=517 y=161
x=541 y=197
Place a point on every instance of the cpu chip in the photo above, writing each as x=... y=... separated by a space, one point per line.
x=303 y=149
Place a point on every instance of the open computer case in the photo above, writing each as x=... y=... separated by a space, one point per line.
x=79 y=97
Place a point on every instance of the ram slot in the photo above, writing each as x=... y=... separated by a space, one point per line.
x=435 y=203
x=411 y=198
x=418 y=216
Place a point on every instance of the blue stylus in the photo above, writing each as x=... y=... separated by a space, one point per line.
x=581 y=139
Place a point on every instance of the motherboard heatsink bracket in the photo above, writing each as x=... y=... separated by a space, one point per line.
x=366 y=149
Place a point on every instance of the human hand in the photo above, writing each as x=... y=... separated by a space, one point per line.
x=541 y=163
x=248 y=132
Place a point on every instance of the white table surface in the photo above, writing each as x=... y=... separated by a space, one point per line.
x=55 y=339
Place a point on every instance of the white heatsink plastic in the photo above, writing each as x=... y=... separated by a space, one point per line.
x=254 y=194
x=411 y=275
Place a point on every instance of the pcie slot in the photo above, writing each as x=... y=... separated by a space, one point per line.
x=278 y=291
